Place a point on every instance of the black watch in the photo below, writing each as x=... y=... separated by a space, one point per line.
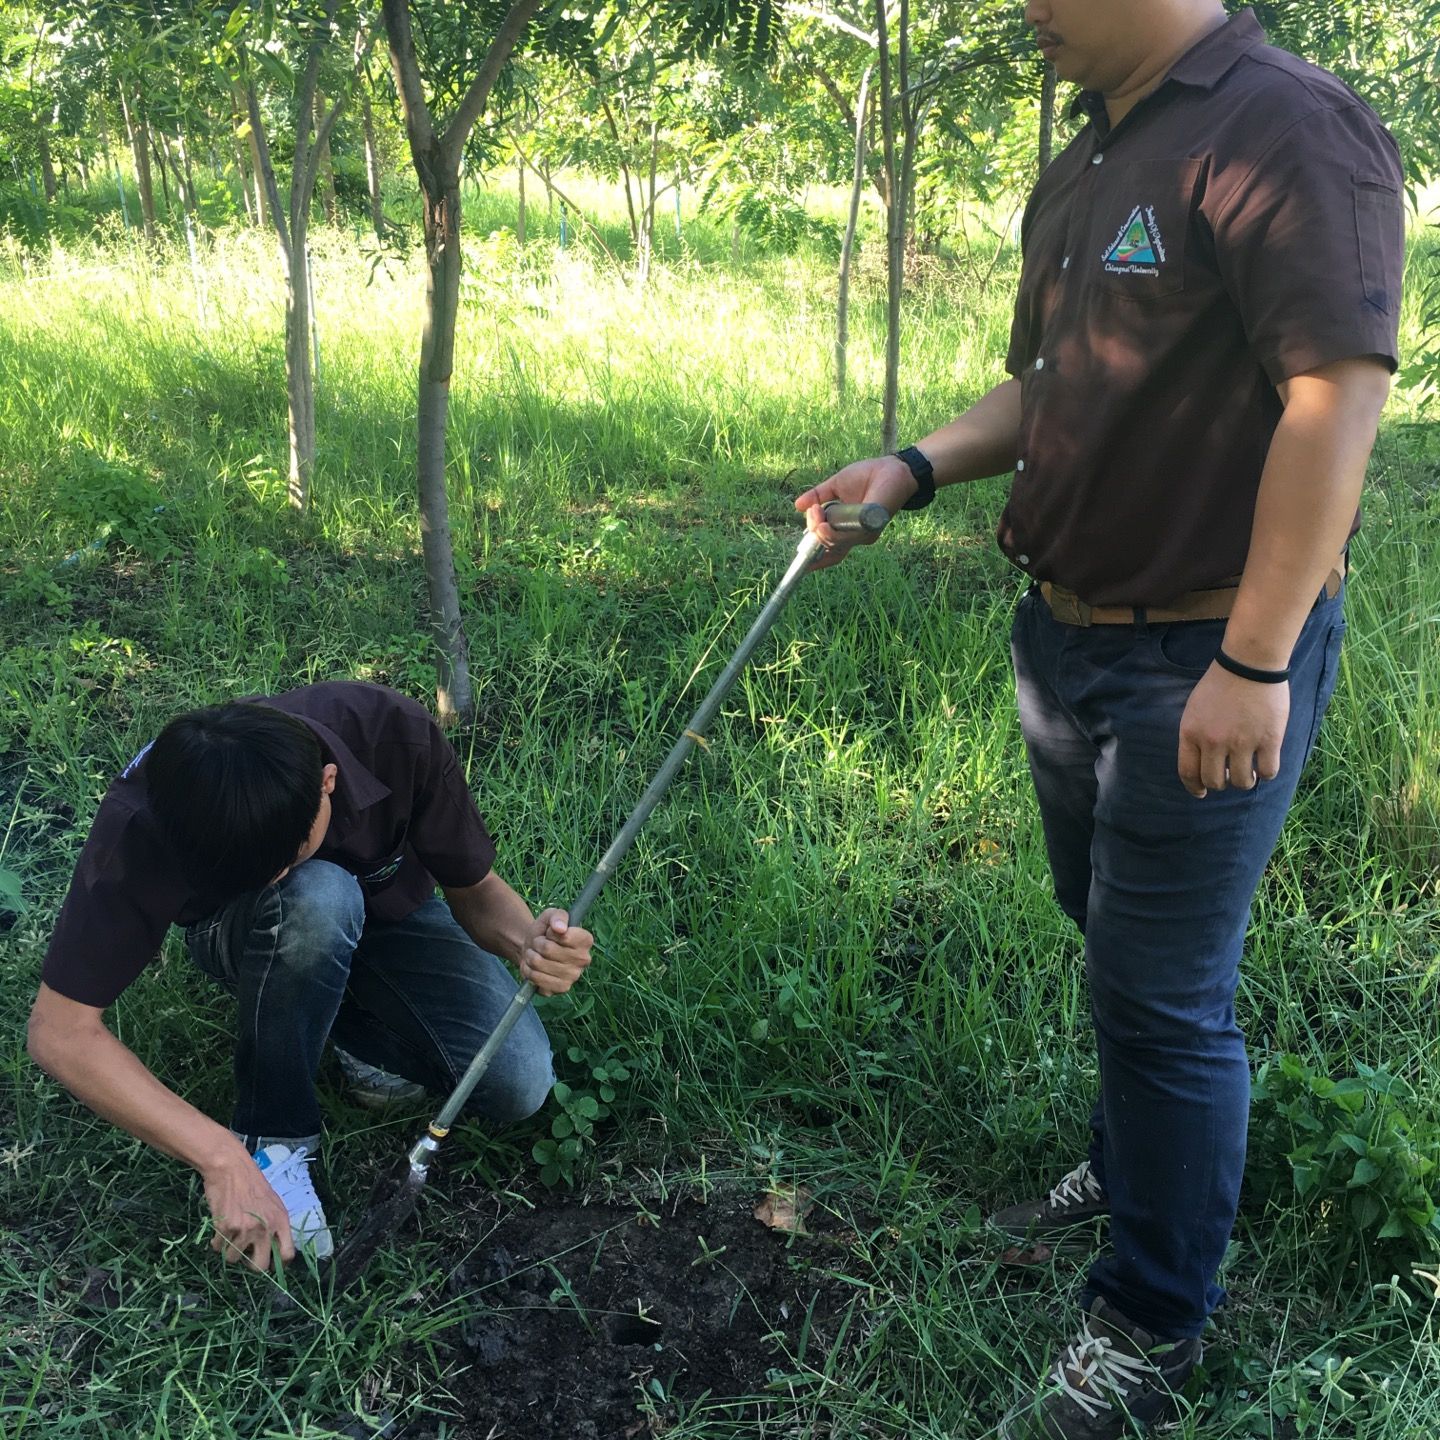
x=924 y=473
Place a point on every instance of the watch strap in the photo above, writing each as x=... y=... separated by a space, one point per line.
x=924 y=474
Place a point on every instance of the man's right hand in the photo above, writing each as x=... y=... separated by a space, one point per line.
x=247 y=1212
x=884 y=480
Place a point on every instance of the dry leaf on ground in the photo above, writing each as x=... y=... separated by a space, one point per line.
x=1027 y=1255
x=784 y=1210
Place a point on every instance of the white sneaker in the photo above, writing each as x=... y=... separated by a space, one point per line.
x=288 y=1174
x=374 y=1088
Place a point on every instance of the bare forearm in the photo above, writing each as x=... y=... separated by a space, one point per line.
x=1307 y=501
x=493 y=916
x=104 y=1075
x=985 y=440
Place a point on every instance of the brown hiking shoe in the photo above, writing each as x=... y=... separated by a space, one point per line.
x=1112 y=1375
x=1078 y=1198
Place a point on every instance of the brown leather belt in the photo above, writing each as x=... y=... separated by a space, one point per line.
x=1069 y=609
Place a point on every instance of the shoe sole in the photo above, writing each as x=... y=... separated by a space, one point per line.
x=372 y=1101
x=1076 y=1232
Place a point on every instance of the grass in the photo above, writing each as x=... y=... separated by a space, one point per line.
x=832 y=958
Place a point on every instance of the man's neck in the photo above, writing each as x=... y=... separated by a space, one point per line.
x=1148 y=76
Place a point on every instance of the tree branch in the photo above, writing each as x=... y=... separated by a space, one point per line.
x=512 y=28
x=833 y=90
x=973 y=62
x=360 y=67
x=811 y=12
x=419 y=127
x=267 y=168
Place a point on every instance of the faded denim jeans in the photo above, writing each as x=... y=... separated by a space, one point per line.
x=416 y=997
x=1160 y=885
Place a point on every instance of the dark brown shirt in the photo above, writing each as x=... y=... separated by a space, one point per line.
x=1242 y=225
x=402 y=820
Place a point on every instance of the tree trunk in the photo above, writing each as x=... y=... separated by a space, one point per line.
x=437 y=165
x=192 y=196
x=47 y=167
x=262 y=202
x=372 y=167
x=857 y=185
x=649 y=204
x=161 y=160
x=242 y=174
x=894 y=238
x=299 y=374
x=624 y=174
x=1047 y=118
x=328 y=203
x=140 y=153
x=520 y=220
x=437 y=361
x=292 y=236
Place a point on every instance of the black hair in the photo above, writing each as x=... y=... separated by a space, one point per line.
x=235 y=789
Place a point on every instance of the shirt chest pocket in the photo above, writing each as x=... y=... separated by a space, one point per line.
x=1137 y=226
x=375 y=874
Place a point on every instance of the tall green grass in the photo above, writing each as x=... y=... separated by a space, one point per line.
x=833 y=957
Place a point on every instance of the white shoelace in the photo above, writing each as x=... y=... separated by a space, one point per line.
x=1102 y=1370
x=1079 y=1185
x=291 y=1181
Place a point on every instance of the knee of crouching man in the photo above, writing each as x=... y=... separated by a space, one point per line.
x=520 y=1090
x=322 y=909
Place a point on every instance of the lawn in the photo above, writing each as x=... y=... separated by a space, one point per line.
x=831 y=964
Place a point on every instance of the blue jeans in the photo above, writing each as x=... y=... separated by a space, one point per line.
x=1160 y=885
x=415 y=996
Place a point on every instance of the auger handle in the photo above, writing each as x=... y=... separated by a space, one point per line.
x=847 y=519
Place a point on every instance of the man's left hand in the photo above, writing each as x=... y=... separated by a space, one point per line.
x=556 y=953
x=1231 y=732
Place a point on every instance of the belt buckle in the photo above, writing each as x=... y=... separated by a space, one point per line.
x=1068 y=607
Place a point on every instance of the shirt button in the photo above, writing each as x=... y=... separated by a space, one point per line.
x=1040 y=363
x=1065 y=263
x=1097 y=158
x=1019 y=465
x=1022 y=559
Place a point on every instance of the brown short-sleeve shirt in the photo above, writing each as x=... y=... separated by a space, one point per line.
x=402 y=821
x=1242 y=225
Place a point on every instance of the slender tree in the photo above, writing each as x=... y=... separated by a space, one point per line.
x=317 y=35
x=436 y=147
x=847 y=247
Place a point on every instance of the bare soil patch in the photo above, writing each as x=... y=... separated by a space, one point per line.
x=611 y=1321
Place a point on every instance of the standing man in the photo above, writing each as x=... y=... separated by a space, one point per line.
x=299 y=840
x=1203 y=339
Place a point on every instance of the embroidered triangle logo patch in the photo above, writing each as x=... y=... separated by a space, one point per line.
x=1134 y=247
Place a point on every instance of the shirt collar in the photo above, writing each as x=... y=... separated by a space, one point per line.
x=1208 y=62
x=356 y=788
x=1204 y=65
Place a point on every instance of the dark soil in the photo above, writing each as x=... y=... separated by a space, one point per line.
x=608 y=1321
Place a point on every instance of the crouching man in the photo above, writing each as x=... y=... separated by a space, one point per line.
x=298 y=839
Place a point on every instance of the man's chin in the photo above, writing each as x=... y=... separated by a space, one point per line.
x=1064 y=63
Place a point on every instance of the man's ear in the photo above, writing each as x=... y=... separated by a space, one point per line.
x=327 y=779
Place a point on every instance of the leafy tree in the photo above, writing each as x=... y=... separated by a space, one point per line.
x=246 y=42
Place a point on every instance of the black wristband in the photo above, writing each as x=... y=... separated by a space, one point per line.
x=1249 y=672
x=924 y=474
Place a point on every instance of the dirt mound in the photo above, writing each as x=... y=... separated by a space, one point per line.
x=614 y=1321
